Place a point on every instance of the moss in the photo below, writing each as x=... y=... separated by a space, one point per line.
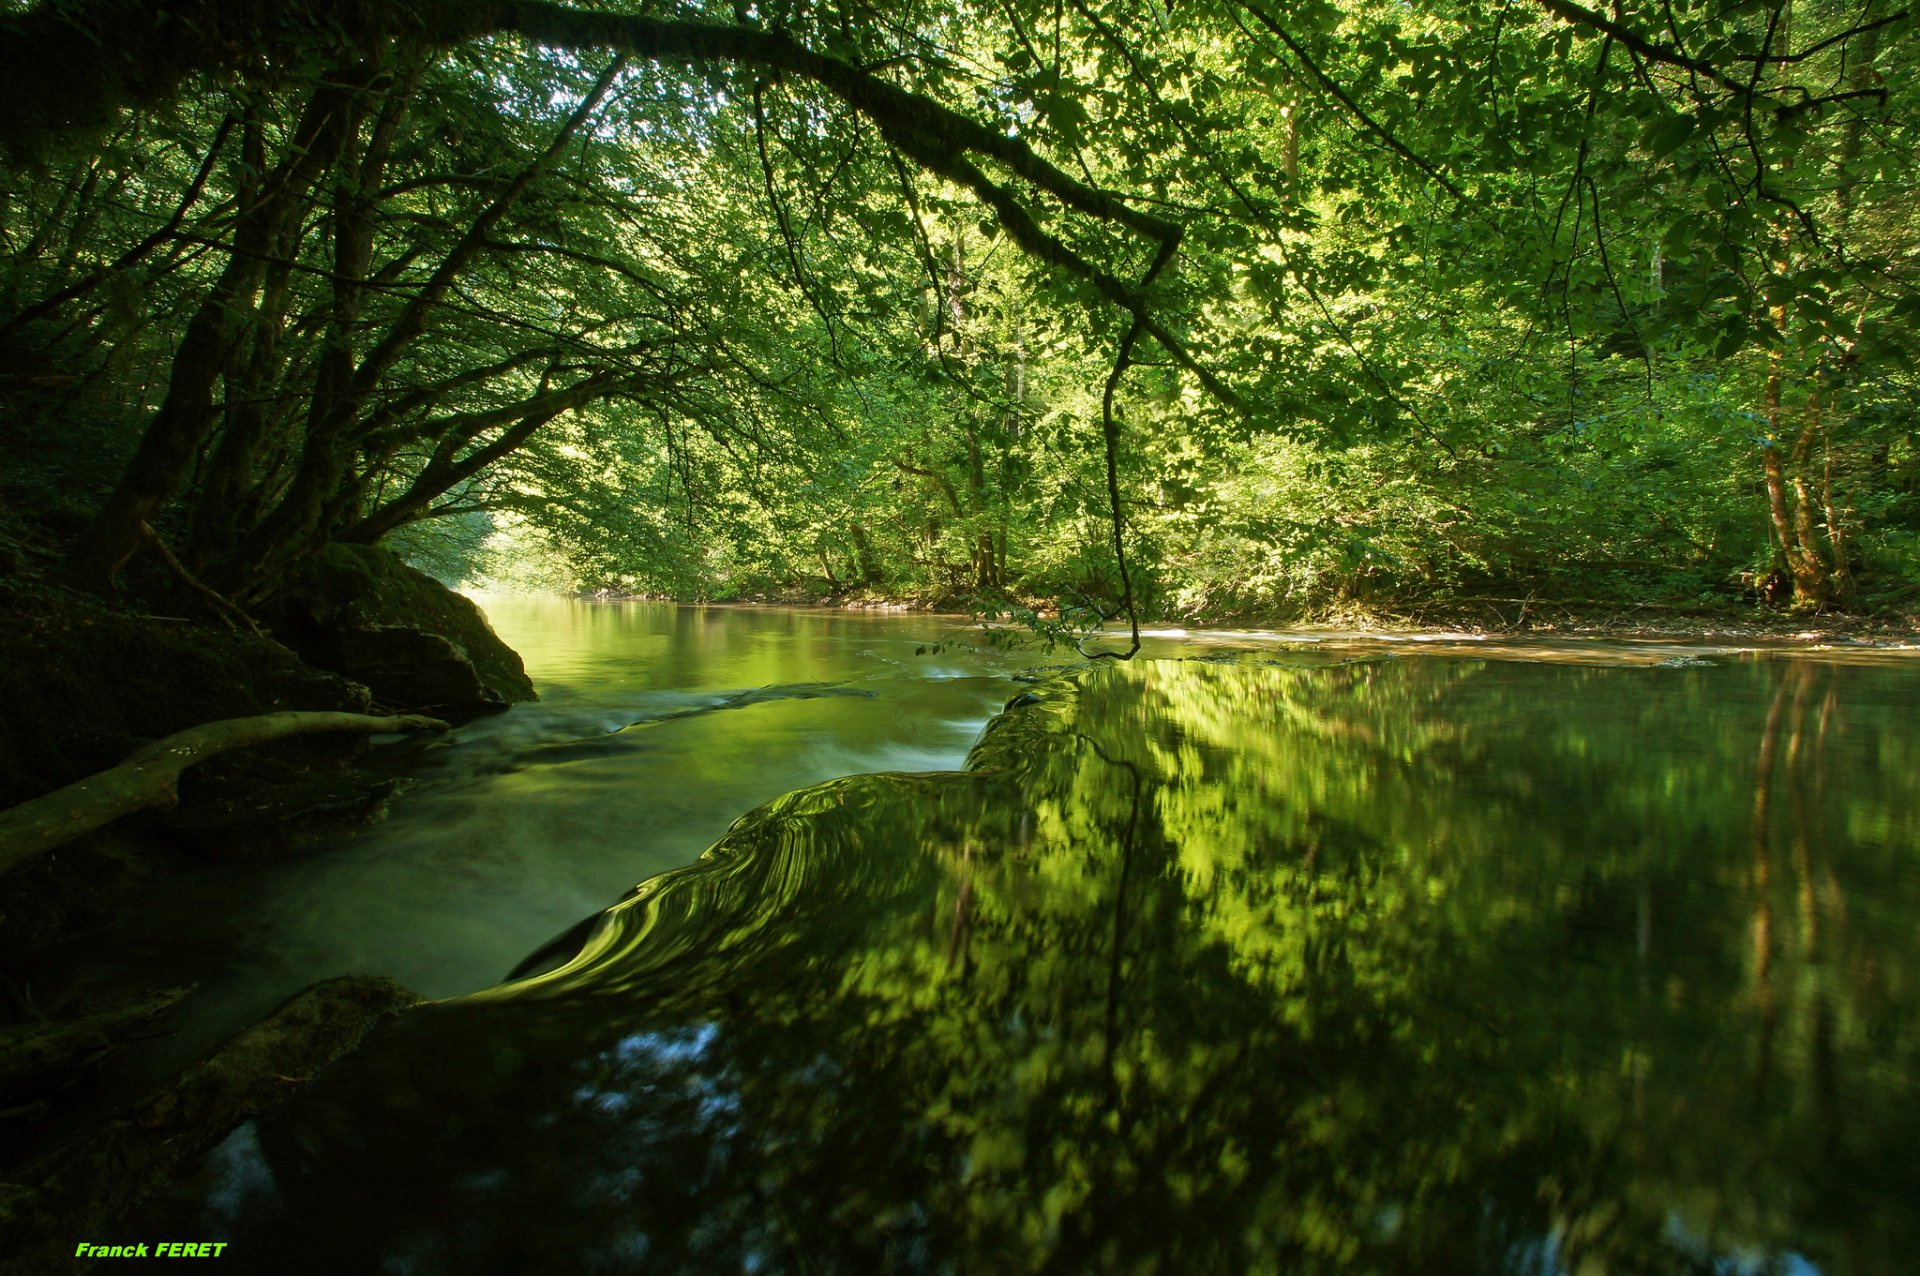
x=347 y=596
x=89 y=1186
x=85 y=684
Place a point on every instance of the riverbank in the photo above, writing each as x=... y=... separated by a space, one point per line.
x=136 y=949
x=1509 y=616
x=1504 y=615
x=106 y=701
x=88 y=682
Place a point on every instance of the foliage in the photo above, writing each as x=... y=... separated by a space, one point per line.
x=1381 y=302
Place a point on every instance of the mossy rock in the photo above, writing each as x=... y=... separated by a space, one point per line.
x=85 y=684
x=361 y=612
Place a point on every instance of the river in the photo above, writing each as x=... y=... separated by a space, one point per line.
x=657 y=726
x=1317 y=953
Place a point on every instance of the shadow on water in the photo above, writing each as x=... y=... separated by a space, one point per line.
x=1401 y=966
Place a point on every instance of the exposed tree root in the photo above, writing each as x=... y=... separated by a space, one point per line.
x=39 y=1057
x=150 y=777
x=224 y=608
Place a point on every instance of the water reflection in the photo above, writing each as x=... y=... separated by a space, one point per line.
x=1401 y=965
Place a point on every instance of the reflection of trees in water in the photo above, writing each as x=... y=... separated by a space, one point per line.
x=1409 y=965
x=1829 y=981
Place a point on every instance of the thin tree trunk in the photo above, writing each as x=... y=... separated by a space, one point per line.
x=1787 y=504
x=300 y=518
x=221 y=501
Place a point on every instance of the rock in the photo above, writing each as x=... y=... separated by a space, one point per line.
x=85 y=684
x=88 y=1187
x=361 y=612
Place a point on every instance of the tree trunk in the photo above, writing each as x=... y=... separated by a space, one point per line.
x=301 y=519
x=1786 y=509
x=186 y=414
x=226 y=498
x=866 y=563
x=173 y=439
x=1787 y=503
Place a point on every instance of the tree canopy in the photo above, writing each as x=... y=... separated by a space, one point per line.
x=1345 y=302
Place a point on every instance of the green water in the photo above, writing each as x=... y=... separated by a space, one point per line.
x=1415 y=964
x=638 y=755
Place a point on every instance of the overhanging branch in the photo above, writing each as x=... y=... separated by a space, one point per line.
x=99 y=71
x=150 y=776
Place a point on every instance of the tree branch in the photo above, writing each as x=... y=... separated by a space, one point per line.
x=1577 y=15
x=228 y=612
x=103 y=72
x=1340 y=95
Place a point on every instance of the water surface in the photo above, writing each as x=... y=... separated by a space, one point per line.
x=657 y=726
x=1420 y=964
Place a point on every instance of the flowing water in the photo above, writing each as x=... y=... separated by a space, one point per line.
x=656 y=727
x=1319 y=958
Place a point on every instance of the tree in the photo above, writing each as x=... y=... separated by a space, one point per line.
x=424 y=236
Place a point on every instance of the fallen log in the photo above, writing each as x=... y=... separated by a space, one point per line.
x=150 y=777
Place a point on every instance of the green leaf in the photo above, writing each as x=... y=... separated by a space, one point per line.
x=1668 y=134
x=1732 y=340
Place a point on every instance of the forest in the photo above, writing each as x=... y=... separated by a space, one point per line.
x=1233 y=311
x=1567 y=350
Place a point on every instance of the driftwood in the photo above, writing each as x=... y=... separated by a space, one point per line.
x=47 y=1054
x=84 y=1189
x=150 y=777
